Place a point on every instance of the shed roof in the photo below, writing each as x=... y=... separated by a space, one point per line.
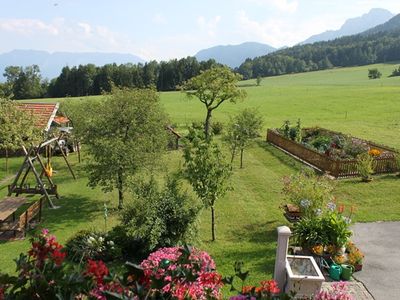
x=43 y=112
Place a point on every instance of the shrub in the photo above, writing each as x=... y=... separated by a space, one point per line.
x=365 y=165
x=90 y=244
x=396 y=72
x=160 y=218
x=217 y=128
x=374 y=74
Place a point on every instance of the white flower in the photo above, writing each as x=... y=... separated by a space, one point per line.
x=101 y=239
x=305 y=203
x=318 y=212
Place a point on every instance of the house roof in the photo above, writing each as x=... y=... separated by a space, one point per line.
x=43 y=112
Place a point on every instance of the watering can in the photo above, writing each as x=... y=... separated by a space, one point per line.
x=334 y=270
x=347 y=270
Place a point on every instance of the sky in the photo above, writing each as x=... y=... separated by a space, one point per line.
x=161 y=30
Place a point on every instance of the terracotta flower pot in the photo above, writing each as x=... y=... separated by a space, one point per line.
x=358 y=267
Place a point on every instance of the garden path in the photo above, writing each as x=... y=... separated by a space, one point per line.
x=380 y=242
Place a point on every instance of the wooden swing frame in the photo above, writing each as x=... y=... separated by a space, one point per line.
x=32 y=155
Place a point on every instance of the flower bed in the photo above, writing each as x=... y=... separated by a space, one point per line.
x=333 y=152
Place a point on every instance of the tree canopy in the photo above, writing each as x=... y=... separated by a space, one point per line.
x=125 y=133
x=212 y=88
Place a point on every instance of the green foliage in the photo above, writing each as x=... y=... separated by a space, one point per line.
x=396 y=72
x=25 y=83
x=321 y=142
x=258 y=80
x=307 y=191
x=124 y=134
x=292 y=132
x=374 y=74
x=206 y=170
x=330 y=228
x=91 y=244
x=243 y=128
x=212 y=88
x=309 y=232
x=17 y=128
x=365 y=165
x=159 y=218
x=217 y=128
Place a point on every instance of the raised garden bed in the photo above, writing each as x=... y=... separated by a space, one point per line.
x=332 y=161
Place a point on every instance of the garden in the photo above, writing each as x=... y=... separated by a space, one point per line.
x=254 y=200
x=335 y=153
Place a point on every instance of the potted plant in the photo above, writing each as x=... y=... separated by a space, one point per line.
x=365 y=166
x=354 y=256
x=336 y=229
x=309 y=234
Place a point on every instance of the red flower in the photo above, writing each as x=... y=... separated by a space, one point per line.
x=270 y=286
x=58 y=257
x=96 y=269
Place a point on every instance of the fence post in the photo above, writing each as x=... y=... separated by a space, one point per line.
x=281 y=251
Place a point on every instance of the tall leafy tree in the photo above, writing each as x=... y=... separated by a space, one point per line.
x=206 y=170
x=241 y=130
x=214 y=87
x=17 y=128
x=125 y=134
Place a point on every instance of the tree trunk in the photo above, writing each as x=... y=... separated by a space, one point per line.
x=212 y=224
x=241 y=158
x=233 y=156
x=207 y=123
x=6 y=161
x=120 y=192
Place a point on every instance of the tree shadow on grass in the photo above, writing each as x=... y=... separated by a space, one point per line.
x=281 y=156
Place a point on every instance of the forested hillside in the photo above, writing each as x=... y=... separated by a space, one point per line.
x=380 y=44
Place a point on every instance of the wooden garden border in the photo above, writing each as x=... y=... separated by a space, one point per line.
x=334 y=167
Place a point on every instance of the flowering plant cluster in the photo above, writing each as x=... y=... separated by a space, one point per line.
x=90 y=244
x=355 y=256
x=308 y=192
x=339 y=291
x=267 y=290
x=43 y=274
x=181 y=273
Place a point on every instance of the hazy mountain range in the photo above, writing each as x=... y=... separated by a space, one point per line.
x=50 y=64
x=374 y=17
x=234 y=55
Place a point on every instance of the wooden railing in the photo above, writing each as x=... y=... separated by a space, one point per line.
x=335 y=167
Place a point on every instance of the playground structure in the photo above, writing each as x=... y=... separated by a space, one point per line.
x=33 y=156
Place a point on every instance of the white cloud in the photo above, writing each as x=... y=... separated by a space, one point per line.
x=62 y=35
x=288 y=6
x=278 y=32
x=210 y=26
x=27 y=26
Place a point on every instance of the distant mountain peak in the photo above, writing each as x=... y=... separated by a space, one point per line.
x=374 y=17
x=234 y=55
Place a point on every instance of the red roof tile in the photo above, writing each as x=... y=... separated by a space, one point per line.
x=43 y=112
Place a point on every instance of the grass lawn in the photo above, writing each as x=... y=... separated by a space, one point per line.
x=341 y=99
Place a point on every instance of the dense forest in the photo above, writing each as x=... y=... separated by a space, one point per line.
x=25 y=83
x=373 y=46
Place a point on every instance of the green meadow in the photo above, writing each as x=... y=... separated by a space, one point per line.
x=340 y=99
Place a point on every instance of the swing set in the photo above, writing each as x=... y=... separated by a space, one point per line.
x=32 y=157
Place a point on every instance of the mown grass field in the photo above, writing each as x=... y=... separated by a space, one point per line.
x=341 y=99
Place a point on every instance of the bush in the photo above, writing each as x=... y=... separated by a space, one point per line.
x=90 y=244
x=217 y=128
x=365 y=165
x=396 y=72
x=159 y=218
x=374 y=74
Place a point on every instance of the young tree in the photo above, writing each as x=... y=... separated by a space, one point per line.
x=213 y=87
x=125 y=134
x=242 y=128
x=17 y=128
x=206 y=170
x=258 y=80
